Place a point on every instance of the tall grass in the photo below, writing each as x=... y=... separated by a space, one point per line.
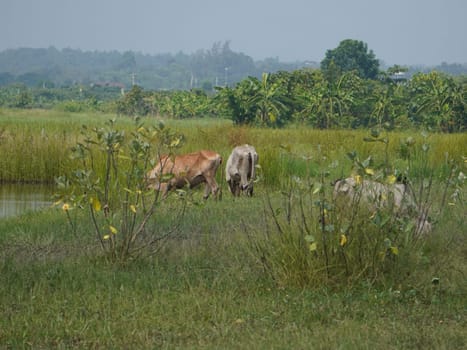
x=34 y=145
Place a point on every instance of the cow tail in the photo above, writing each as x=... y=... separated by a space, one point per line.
x=222 y=179
x=253 y=168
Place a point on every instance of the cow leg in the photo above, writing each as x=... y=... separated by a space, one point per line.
x=238 y=189
x=214 y=187
x=234 y=187
x=207 y=191
x=211 y=184
x=211 y=187
x=249 y=190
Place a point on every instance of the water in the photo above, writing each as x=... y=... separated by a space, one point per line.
x=17 y=199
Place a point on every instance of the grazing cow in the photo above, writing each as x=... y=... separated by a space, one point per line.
x=240 y=170
x=376 y=195
x=188 y=169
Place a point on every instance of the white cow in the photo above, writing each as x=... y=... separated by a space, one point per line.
x=376 y=194
x=398 y=197
x=240 y=169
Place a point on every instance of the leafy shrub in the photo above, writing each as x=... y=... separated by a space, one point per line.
x=111 y=184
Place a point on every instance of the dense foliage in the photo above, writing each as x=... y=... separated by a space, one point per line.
x=348 y=91
x=352 y=55
x=433 y=101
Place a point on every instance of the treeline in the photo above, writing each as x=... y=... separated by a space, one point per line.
x=434 y=101
x=348 y=90
x=205 y=69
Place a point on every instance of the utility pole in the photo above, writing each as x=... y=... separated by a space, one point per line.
x=225 y=77
x=133 y=79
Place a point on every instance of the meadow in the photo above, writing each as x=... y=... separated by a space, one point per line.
x=238 y=272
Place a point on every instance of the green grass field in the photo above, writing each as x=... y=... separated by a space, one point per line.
x=227 y=278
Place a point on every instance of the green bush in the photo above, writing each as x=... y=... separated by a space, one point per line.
x=312 y=239
x=111 y=184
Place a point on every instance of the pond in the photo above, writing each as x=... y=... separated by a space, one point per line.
x=17 y=199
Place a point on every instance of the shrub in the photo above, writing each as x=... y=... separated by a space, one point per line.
x=111 y=184
x=312 y=240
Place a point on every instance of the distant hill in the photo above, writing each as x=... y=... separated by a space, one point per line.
x=218 y=66
x=52 y=67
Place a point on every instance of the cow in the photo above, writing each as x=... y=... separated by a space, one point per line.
x=175 y=172
x=240 y=170
x=376 y=195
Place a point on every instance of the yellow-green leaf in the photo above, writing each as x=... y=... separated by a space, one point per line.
x=394 y=250
x=343 y=240
x=313 y=246
x=239 y=321
x=106 y=237
x=358 y=179
x=317 y=188
x=391 y=179
x=133 y=208
x=175 y=142
x=96 y=204
x=369 y=171
x=113 y=229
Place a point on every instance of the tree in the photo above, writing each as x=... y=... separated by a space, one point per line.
x=352 y=55
x=438 y=101
x=269 y=97
x=23 y=99
x=234 y=102
x=329 y=102
x=127 y=62
x=133 y=104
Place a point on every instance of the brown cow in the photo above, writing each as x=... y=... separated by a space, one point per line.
x=172 y=172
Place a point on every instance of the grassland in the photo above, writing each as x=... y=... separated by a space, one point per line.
x=207 y=287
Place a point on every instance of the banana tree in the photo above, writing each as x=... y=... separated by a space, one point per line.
x=330 y=101
x=389 y=103
x=439 y=102
x=269 y=97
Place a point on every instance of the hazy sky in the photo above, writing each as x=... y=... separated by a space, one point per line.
x=398 y=31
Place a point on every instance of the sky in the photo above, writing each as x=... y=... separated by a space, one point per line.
x=404 y=32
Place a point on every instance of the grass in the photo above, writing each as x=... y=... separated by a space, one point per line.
x=34 y=144
x=207 y=288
